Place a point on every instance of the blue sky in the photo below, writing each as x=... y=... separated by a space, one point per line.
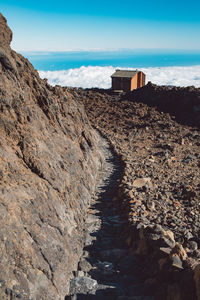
x=112 y=24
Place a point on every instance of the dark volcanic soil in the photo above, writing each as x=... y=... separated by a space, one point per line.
x=159 y=144
x=156 y=147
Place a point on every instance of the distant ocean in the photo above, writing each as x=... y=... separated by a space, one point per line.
x=93 y=68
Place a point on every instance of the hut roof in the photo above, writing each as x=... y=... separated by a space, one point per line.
x=124 y=73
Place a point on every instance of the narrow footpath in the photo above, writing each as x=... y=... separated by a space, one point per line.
x=108 y=268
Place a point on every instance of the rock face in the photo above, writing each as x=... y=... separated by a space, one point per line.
x=49 y=159
x=5 y=33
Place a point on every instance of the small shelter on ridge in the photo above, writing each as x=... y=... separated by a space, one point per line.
x=125 y=80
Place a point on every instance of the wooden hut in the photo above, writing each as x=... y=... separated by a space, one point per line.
x=124 y=80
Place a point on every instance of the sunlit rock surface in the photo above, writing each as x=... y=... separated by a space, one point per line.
x=49 y=159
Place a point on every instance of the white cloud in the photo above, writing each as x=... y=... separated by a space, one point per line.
x=88 y=77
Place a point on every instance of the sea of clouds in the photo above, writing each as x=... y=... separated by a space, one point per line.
x=94 y=76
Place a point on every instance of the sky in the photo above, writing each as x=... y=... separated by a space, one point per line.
x=103 y=25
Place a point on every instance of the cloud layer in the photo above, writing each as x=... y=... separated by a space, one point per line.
x=88 y=77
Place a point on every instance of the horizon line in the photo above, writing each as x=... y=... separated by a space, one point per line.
x=107 y=50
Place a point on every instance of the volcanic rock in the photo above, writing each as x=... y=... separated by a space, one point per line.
x=5 y=33
x=49 y=160
x=82 y=285
x=155 y=130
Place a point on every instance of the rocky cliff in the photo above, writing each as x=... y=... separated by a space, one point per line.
x=49 y=159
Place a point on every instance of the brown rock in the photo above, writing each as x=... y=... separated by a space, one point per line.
x=131 y=194
x=179 y=251
x=49 y=158
x=169 y=234
x=141 y=182
x=5 y=33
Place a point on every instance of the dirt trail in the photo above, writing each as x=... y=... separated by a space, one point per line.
x=108 y=269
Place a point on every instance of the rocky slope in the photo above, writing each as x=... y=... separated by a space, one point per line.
x=156 y=132
x=49 y=158
x=182 y=103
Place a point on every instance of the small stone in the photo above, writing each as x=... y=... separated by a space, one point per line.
x=189 y=236
x=169 y=238
x=158 y=229
x=192 y=245
x=168 y=242
x=191 y=263
x=131 y=194
x=82 y=285
x=178 y=250
x=165 y=250
x=154 y=237
x=188 y=158
x=80 y=273
x=197 y=253
x=143 y=182
x=177 y=262
x=150 y=205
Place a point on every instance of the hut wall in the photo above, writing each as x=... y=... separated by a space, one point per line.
x=134 y=82
x=116 y=83
x=141 y=79
x=126 y=84
x=121 y=83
